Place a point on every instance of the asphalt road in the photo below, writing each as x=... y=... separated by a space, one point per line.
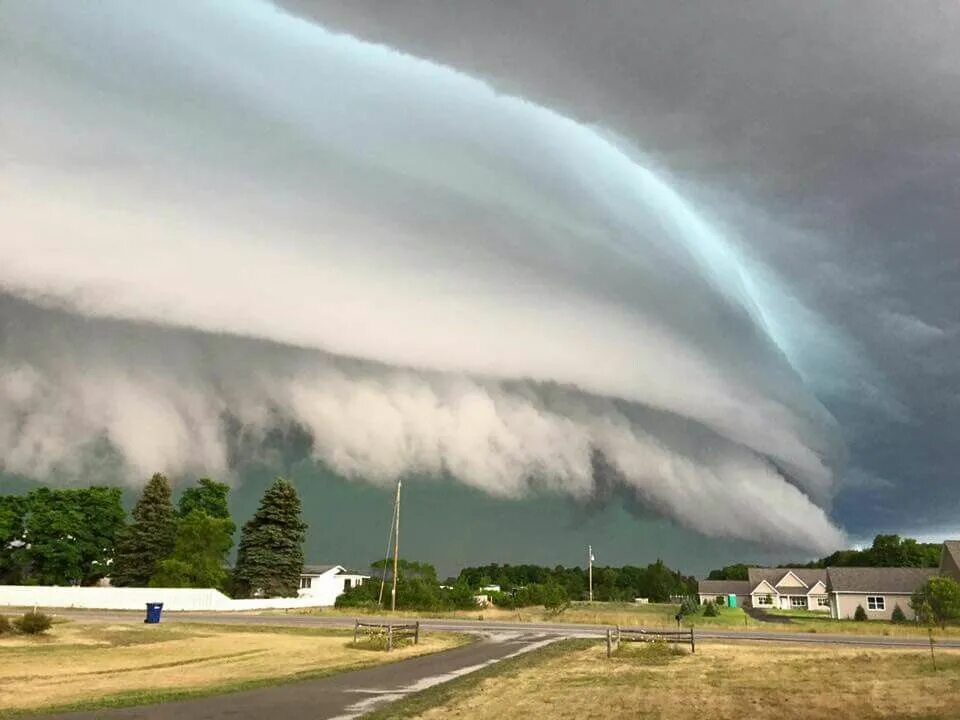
x=499 y=626
x=337 y=697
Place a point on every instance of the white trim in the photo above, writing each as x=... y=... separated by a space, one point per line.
x=757 y=591
x=822 y=592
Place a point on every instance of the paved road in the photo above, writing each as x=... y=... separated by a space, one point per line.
x=337 y=697
x=499 y=626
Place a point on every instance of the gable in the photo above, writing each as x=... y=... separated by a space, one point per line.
x=950 y=560
x=764 y=588
x=791 y=581
x=819 y=589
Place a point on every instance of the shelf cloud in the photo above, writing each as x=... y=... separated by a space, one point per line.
x=220 y=218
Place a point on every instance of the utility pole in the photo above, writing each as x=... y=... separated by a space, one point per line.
x=590 y=569
x=396 y=548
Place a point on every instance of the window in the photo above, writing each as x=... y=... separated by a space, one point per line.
x=765 y=600
x=876 y=602
x=305 y=582
x=823 y=601
x=798 y=602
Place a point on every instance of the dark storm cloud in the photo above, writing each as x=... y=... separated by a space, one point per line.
x=825 y=135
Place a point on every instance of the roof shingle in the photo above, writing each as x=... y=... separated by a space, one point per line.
x=877 y=579
x=723 y=587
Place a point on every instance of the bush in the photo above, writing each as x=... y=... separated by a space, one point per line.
x=898 y=615
x=689 y=606
x=710 y=610
x=860 y=615
x=33 y=623
x=5 y=626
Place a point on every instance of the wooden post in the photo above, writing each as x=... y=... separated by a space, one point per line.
x=416 y=634
x=609 y=642
x=933 y=658
x=693 y=645
x=389 y=637
x=356 y=628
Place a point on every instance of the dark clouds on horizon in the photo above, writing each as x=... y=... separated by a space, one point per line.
x=825 y=135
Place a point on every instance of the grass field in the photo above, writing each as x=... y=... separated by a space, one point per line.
x=88 y=665
x=574 y=679
x=662 y=616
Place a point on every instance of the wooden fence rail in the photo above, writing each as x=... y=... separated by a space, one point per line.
x=617 y=635
x=391 y=630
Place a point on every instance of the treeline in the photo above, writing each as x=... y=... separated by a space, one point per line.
x=886 y=551
x=656 y=581
x=520 y=586
x=80 y=536
x=417 y=589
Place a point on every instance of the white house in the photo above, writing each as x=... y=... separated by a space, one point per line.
x=325 y=583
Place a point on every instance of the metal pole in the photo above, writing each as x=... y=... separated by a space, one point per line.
x=590 y=569
x=396 y=550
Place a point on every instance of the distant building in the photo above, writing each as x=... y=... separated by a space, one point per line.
x=877 y=589
x=834 y=590
x=325 y=583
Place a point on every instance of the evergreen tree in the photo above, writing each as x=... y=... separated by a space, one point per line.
x=149 y=539
x=270 y=557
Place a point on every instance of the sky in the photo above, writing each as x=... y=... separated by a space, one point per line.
x=678 y=280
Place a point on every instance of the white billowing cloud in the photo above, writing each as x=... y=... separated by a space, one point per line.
x=232 y=169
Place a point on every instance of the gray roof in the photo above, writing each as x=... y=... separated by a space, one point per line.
x=810 y=576
x=317 y=569
x=877 y=579
x=723 y=587
x=952 y=548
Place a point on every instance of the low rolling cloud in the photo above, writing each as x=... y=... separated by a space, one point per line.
x=219 y=219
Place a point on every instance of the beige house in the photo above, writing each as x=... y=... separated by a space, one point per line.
x=878 y=589
x=719 y=591
x=789 y=589
x=835 y=590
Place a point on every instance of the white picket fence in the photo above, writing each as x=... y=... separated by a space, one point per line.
x=129 y=598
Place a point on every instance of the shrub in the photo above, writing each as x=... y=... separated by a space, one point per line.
x=898 y=615
x=689 y=606
x=33 y=623
x=710 y=610
x=5 y=626
x=860 y=615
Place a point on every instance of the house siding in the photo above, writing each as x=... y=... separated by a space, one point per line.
x=844 y=605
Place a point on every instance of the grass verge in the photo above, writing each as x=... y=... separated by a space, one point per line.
x=98 y=666
x=441 y=695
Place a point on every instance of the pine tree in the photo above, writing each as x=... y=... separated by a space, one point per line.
x=149 y=539
x=270 y=557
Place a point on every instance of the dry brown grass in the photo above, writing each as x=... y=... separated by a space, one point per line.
x=90 y=662
x=721 y=682
x=661 y=615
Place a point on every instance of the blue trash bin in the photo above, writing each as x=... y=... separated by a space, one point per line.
x=153 y=612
